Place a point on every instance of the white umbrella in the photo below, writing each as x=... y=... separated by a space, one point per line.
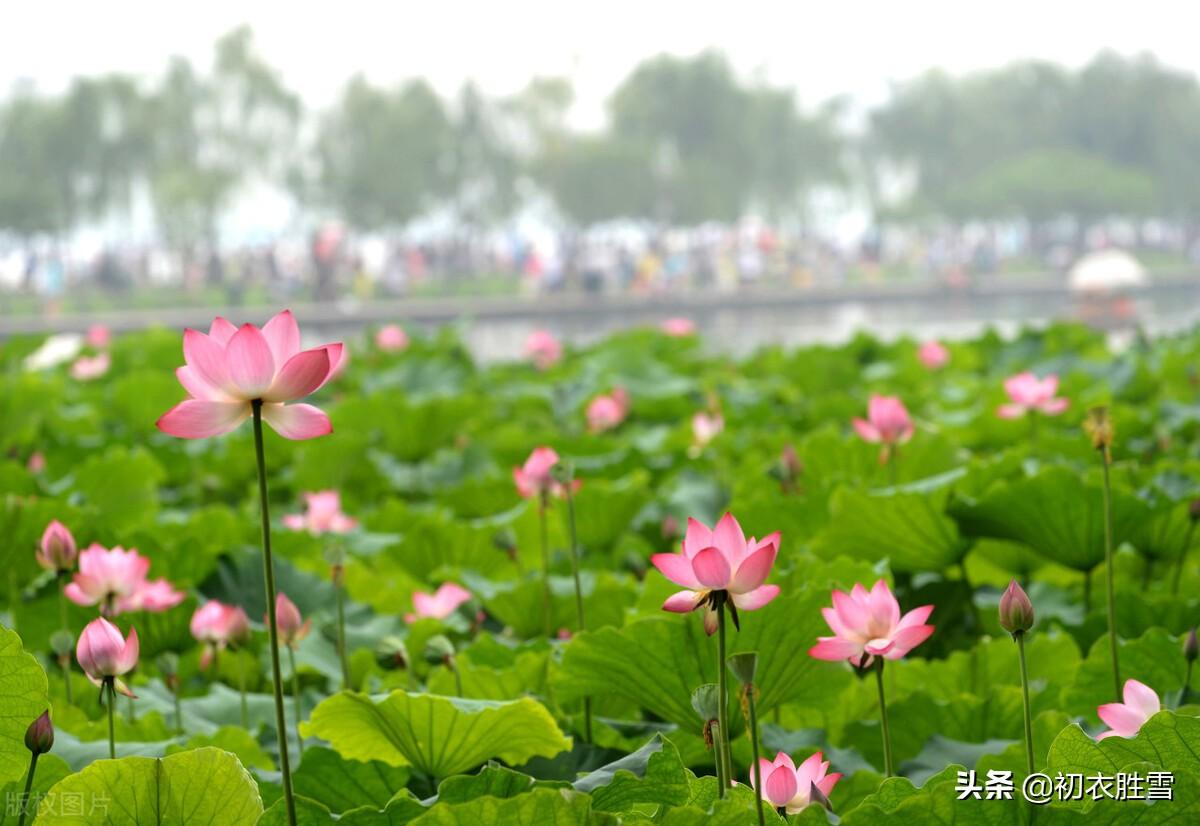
x=1106 y=271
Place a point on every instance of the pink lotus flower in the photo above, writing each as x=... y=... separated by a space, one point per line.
x=706 y=427
x=156 y=597
x=719 y=560
x=98 y=336
x=322 y=515
x=534 y=477
x=104 y=654
x=218 y=625
x=288 y=621
x=391 y=338
x=608 y=411
x=1028 y=393
x=678 y=327
x=867 y=624
x=57 y=551
x=788 y=785
x=543 y=348
x=87 y=368
x=441 y=604
x=231 y=367
x=107 y=577
x=887 y=421
x=933 y=354
x=1126 y=719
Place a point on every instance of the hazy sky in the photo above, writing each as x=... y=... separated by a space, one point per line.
x=820 y=48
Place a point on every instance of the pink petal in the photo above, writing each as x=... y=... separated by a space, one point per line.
x=784 y=759
x=128 y=657
x=676 y=568
x=1122 y=719
x=1010 y=411
x=251 y=365
x=682 y=602
x=916 y=616
x=883 y=606
x=780 y=786
x=221 y=330
x=283 y=336
x=697 y=538
x=199 y=387
x=834 y=649
x=293 y=521
x=906 y=640
x=711 y=568
x=834 y=621
x=207 y=358
x=753 y=600
x=297 y=421
x=199 y=419
x=77 y=594
x=302 y=374
x=710 y=620
x=828 y=782
x=1141 y=698
x=728 y=536
x=337 y=357
x=765 y=766
x=866 y=430
x=852 y=612
x=1054 y=406
x=753 y=570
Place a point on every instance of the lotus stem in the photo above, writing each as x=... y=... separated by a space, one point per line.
x=543 y=503
x=112 y=701
x=178 y=710
x=748 y=689
x=242 y=688
x=340 y=600
x=1110 y=576
x=28 y=788
x=296 y=698
x=723 y=695
x=883 y=719
x=1020 y=638
x=719 y=757
x=65 y=662
x=581 y=625
x=272 y=627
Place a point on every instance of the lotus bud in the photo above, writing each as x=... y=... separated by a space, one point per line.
x=39 y=737
x=1099 y=427
x=392 y=653
x=1016 y=611
x=1191 y=646
x=439 y=649
x=57 y=551
x=743 y=666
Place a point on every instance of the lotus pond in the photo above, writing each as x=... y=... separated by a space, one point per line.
x=625 y=584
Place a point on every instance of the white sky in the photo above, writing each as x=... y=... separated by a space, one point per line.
x=820 y=48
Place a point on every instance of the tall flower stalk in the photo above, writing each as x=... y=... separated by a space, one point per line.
x=888 y=768
x=1016 y=617
x=337 y=570
x=564 y=474
x=1099 y=428
x=535 y=480
x=237 y=373
x=705 y=701
x=743 y=667
x=543 y=506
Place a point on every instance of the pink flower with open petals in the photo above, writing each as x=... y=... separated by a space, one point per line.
x=87 y=368
x=441 y=604
x=867 y=624
x=322 y=515
x=788 y=785
x=155 y=597
x=230 y=368
x=534 y=478
x=543 y=348
x=933 y=354
x=1027 y=393
x=607 y=411
x=887 y=421
x=678 y=327
x=57 y=550
x=106 y=577
x=719 y=560
x=391 y=338
x=1126 y=719
x=104 y=654
x=218 y=625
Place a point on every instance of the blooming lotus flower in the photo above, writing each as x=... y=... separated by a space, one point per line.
x=87 y=368
x=534 y=477
x=57 y=551
x=887 y=422
x=706 y=426
x=867 y=624
x=391 y=338
x=218 y=625
x=543 y=348
x=106 y=577
x=232 y=367
x=719 y=560
x=156 y=596
x=933 y=354
x=288 y=621
x=607 y=411
x=678 y=327
x=1126 y=719
x=441 y=604
x=98 y=336
x=105 y=655
x=1028 y=393
x=788 y=785
x=323 y=514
